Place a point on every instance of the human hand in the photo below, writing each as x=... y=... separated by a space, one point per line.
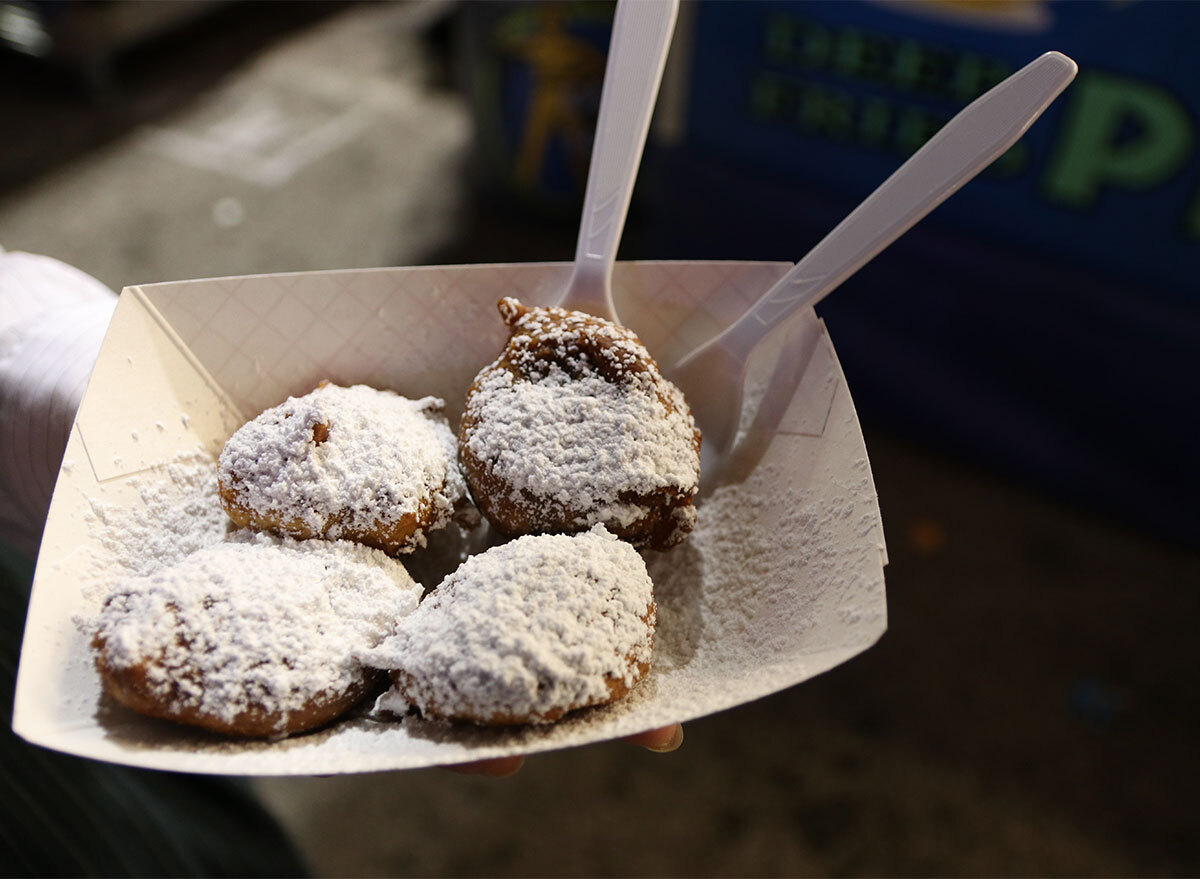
x=663 y=740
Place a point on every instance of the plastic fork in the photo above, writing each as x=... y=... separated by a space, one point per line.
x=637 y=53
x=713 y=376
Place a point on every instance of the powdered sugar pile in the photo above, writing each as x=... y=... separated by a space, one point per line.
x=526 y=630
x=346 y=460
x=575 y=417
x=255 y=623
x=772 y=573
x=175 y=512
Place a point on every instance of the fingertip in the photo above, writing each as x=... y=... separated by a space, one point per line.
x=661 y=741
x=500 y=767
x=671 y=744
x=505 y=766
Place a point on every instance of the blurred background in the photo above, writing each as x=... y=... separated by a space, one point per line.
x=1024 y=365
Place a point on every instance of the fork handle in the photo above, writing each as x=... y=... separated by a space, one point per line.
x=641 y=36
x=966 y=145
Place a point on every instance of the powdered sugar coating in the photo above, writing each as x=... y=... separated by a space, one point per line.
x=176 y=512
x=527 y=631
x=580 y=443
x=354 y=463
x=573 y=425
x=256 y=625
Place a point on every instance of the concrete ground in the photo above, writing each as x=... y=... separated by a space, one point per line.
x=1031 y=710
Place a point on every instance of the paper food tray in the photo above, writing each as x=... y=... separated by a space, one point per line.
x=782 y=579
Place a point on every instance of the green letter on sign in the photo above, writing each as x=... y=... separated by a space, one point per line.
x=1118 y=132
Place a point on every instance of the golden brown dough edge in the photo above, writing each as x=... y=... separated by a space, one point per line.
x=665 y=523
x=397 y=538
x=130 y=686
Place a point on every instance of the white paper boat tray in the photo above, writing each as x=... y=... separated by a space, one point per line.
x=782 y=580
